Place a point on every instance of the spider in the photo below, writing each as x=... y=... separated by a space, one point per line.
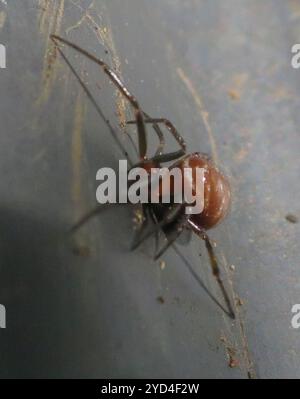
x=170 y=218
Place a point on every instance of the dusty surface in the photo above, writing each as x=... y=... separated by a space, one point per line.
x=85 y=306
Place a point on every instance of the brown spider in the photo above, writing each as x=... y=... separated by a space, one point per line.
x=170 y=218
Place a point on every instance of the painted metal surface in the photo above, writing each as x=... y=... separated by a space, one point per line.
x=85 y=306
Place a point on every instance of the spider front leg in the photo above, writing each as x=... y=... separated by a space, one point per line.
x=139 y=116
x=159 y=134
x=171 y=128
x=159 y=157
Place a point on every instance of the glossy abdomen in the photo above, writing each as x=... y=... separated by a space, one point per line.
x=217 y=194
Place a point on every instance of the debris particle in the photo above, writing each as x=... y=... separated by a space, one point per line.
x=291 y=218
x=162 y=264
x=234 y=94
x=232 y=268
x=160 y=299
x=231 y=353
x=237 y=86
x=233 y=362
x=238 y=301
x=138 y=218
x=81 y=250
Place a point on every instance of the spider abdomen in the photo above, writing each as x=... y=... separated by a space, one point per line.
x=217 y=193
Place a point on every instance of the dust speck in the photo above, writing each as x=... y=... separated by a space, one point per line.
x=234 y=94
x=292 y=218
x=81 y=250
x=162 y=264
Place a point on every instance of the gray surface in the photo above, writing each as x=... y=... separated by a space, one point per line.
x=221 y=72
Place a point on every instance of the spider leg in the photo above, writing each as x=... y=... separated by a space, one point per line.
x=160 y=136
x=162 y=158
x=89 y=215
x=158 y=132
x=170 y=216
x=214 y=266
x=198 y=279
x=169 y=156
x=171 y=238
x=172 y=129
x=139 y=116
x=95 y=104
